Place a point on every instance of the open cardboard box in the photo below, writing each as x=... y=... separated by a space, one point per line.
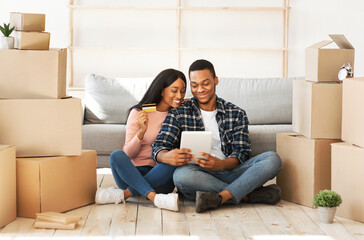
x=323 y=64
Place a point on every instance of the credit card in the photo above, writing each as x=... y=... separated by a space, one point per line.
x=152 y=107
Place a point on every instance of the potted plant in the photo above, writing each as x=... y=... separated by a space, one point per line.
x=326 y=201
x=7 y=42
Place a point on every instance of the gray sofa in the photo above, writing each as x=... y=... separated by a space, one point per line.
x=267 y=101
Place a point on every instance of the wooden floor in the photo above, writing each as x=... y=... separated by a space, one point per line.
x=138 y=219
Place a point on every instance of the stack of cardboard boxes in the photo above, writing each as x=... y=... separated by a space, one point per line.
x=348 y=156
x=316 y=121
x=53 y=173
x=29 y=31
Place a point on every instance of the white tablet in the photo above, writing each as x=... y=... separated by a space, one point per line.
x=197 y=141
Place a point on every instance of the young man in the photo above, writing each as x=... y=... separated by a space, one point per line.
x=228 y=174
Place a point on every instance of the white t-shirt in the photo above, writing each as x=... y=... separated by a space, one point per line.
x=209 y=121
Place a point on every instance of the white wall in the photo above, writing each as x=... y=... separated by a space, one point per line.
x=310 y=22
x=56 y=16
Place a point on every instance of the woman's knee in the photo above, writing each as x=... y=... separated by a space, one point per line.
x=116 y=157
x=165 y=167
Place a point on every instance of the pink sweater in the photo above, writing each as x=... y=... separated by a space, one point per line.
x=140 y=151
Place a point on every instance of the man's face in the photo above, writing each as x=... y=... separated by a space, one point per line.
x=203 y=85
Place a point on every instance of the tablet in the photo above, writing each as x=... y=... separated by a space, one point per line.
x=197 y=141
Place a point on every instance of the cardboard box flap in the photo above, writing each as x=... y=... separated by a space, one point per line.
x=341 y=41
x=320 y=44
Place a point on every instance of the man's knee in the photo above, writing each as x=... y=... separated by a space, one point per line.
x=182 y=176
x=179 y=176
x=183 y=179
x=274 y=160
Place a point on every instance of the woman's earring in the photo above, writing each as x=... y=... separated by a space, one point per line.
x=345 y=71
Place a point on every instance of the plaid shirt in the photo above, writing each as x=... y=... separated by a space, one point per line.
x=232 y=122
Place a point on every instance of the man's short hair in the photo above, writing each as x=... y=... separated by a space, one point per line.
x=202 y=64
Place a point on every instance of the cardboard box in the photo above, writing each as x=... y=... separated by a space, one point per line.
x=55 y=184
x=33 y=74
x=306 y=167
x=353 y=114
x=347 y=179
x=27 y=21
x=41 y=127
x=7 y=185
x=316 y=109
x=32 y=40
x=323 y=64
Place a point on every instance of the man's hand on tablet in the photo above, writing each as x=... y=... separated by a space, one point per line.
x=175 y=157
x=210 y=163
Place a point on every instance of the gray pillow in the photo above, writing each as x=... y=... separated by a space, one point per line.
x=107 y=100
x=265 y=100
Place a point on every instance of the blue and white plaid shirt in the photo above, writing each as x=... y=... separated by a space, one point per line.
x=232 y=122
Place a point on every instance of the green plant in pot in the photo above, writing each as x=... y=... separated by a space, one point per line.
x=7 y=42
x=326 y=201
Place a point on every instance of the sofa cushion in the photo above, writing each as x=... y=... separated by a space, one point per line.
x=107 y=100
x=104 y=138
x=103 y=161
x=265 y=100
x=263 y=137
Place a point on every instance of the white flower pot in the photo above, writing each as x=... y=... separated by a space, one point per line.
x=326 y=214
x=7 y=42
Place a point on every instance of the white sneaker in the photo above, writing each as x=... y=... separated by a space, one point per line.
x=109 y=195
x=167 y=201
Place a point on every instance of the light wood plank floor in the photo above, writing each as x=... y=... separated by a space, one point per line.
x=139 y=219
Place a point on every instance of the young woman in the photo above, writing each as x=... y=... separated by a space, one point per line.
x=133 y=169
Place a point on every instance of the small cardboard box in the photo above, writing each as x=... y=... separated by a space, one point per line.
x=353 y=111
x=27 y=21
x=323 y=64
x=306 y=167
x=32 y=40
x=55 y=184
x=347 y=179
x=7 y=185
x=41 y=127
x=33 y=74
x=316 y=109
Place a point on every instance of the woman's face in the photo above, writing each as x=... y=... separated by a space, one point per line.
x=173 y=95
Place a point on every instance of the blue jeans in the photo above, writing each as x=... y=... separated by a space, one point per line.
x=240 y=181
x=142 y=179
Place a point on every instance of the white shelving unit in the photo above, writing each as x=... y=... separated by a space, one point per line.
x=177 y=49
